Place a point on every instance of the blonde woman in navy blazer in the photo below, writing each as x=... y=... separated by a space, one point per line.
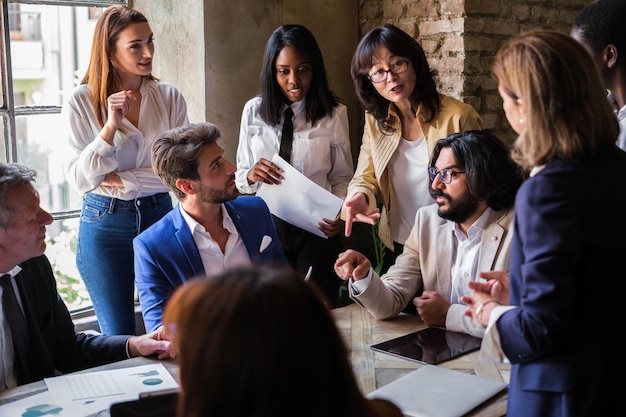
x=565 y=264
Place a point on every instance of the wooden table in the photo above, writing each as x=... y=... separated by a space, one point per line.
x=372 y=369
x=375 y=369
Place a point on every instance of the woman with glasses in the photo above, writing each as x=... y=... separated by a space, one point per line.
x=404 y=118
x=297 y=116
x=567 y=255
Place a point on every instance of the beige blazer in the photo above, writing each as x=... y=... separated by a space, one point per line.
x=426 y=264
x=371 y=176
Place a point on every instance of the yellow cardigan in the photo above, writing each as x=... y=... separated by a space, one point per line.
x=371 y=176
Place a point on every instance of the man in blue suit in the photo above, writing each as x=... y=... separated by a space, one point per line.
x=37 y=335
x=210 y=229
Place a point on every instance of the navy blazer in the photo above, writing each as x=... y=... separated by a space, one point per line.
x=566 y=265
x=57 y=348
x=166 y=255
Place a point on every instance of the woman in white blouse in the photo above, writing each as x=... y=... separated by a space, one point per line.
x=293 y=77
x=113 y=118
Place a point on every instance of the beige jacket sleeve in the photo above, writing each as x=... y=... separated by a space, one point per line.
x=426 y=264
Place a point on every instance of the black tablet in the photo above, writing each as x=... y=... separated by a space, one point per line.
x=150 y=405
x=431 y=345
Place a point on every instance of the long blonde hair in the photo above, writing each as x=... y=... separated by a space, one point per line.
x=568 y=115
x=101 y=77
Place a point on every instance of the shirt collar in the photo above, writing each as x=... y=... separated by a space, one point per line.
x=194 y=225
x=477 y=226
x=536 y=170
x=13 y=272
x=298 y=107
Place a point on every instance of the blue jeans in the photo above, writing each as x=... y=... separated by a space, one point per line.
x=104 y=254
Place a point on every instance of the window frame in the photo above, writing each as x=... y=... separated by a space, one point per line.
x=9 y=111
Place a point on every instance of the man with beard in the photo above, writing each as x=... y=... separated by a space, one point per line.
x=468 y=230
x=211 y=228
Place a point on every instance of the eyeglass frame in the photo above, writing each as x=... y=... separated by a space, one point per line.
x=433 y=172
x=386 y=72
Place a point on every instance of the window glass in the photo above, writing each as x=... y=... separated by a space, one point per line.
x=50 y=48
x=41 y=146
x=48 y=51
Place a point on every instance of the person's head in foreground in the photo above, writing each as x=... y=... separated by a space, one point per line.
x=261 y=342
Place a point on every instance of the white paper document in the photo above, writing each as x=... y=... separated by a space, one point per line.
x=298 y=200
x=84 y=394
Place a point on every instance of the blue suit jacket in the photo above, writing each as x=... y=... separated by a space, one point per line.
x=166 y=255
x=565 y=272
x=56 y=347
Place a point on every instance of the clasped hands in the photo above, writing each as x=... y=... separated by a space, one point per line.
x=487 y=295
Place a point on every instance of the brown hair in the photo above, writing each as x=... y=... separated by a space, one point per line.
x=567 y=113
x=101 y=76
x=259 y=342
x=175 y=153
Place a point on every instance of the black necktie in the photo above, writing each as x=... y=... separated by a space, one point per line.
x=19 y=330
x=287 y=137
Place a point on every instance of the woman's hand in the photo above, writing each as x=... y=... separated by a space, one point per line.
x=356 y=210
x=265 y=171
x=331 y=228
x=118 y=105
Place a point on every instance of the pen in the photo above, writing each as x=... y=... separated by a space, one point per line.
x=308 y=274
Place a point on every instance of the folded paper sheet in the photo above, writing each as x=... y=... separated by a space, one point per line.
x=298 y=200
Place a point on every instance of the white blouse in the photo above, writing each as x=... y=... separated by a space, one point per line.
x=163 y=107
x=321 y=152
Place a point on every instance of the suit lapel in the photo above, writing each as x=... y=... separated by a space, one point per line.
x=186 y=244
x=42 y=364
x=443 y=242
x=245 y=231
x=491 y=241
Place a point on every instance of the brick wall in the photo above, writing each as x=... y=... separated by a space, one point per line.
x=461 y=37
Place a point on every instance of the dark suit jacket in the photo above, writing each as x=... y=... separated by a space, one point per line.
x=566 y=265
x=166 y=255
x=57 y=347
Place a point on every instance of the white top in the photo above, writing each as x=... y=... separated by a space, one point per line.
x=163 y=107
x=465 y=256
x=7 y=353
x=408 y=170
x=621 y=118
x=235 y=253
x=321 y=152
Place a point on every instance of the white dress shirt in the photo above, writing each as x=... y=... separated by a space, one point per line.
x=620 y=113
x=321 y=152
x=235 y=252
x=91 y=158
x=465 y=256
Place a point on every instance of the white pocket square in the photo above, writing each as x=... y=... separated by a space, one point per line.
x=265 y=243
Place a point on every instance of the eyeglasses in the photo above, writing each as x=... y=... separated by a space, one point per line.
x=445 y=175
x=397 y=67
